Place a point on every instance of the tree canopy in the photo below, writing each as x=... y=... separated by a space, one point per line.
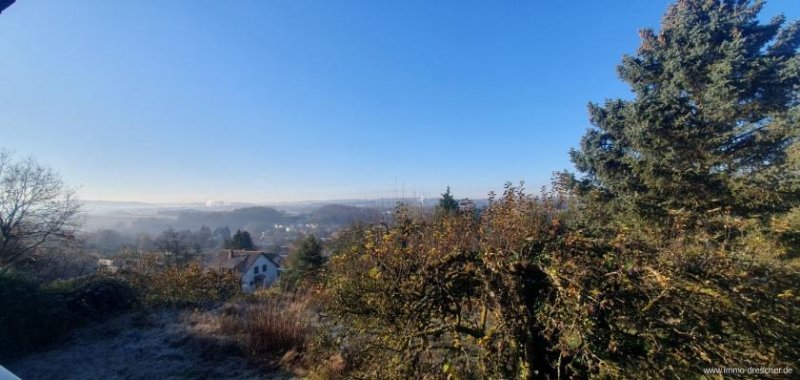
x=447 y=203
x=240 y=240
x=714 y=113
x=305 y=259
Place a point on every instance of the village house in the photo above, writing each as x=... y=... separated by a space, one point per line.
x=254 y=268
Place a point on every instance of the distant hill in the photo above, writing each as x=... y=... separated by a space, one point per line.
x=146 y=219
x=251 y=218
x=338 y=214
x=132 y=218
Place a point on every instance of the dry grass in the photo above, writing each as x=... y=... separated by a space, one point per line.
x=272 y=328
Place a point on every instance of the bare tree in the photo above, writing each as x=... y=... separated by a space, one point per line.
x=35 y=206
x=59 y=259
x=175 y=243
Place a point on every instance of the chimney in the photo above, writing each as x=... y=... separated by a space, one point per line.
x=230 y=254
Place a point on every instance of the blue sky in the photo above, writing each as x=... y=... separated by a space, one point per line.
x=261 y=101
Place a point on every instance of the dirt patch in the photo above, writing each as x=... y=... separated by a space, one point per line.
x=167 y=344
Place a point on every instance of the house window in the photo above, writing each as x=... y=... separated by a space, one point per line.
x=264 y=268
x=256 y=269
x=251 y=282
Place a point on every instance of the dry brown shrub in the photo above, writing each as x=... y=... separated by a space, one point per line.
x=270 y=329
x=182 y=286
x=268 y=325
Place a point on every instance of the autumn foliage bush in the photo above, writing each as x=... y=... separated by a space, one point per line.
x=671 y=302
x=527 y=289
x=189 y=285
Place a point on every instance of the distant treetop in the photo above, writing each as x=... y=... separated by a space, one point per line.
x=241 y=240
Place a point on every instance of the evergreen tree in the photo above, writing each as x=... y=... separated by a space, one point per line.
x=306 y=259
x=240 y=240
x=447 y=203
x=714 y=114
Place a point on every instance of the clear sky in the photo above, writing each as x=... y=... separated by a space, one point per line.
x=265 y=100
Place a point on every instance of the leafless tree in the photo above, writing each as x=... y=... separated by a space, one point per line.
x=176 y=244
x=59 y=259
x=35 y=206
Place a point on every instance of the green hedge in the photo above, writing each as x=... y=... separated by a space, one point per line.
x=33 y=315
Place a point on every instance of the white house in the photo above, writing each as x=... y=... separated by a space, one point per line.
x=254 y=268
